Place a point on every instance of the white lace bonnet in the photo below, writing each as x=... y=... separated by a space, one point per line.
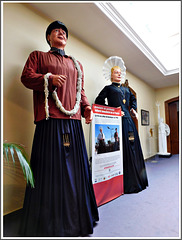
x=110 y=63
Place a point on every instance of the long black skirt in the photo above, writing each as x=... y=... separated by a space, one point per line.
x=63 y=201
x=134 y=171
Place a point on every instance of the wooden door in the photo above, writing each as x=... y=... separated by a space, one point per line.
x=172 y=119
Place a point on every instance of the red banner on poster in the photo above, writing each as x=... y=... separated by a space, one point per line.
x=105 y=110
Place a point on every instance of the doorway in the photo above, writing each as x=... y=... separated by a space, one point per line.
x=172 y=119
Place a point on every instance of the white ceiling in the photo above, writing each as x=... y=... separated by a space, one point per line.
x=100 y=26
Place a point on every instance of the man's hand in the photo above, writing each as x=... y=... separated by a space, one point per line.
x=122 y=113
x=88 y=114
x=134 y=113
x=58 y=80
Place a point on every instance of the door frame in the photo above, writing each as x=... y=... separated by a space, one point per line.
x=167 y=119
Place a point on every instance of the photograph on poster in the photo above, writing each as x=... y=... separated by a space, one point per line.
x=107 y=138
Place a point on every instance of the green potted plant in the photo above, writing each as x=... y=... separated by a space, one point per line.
x=9 y=149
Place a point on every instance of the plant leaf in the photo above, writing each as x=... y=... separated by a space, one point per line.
x=12 y=153
x=25 y=167
x=5 y=152
x=22 y=157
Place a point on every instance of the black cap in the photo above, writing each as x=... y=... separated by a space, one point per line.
x=56 y=24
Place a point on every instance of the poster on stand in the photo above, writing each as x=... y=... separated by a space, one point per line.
x=107 y=153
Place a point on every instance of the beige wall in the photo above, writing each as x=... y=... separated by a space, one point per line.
x=23 y=32
x=164 y=94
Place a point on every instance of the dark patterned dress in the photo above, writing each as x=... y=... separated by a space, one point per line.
x=134 y=171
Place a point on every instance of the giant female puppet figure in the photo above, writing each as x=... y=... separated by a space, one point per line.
x=62 y=204
x=117 y=95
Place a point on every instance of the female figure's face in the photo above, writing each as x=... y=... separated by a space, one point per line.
x=116 y=74
x=57 y=38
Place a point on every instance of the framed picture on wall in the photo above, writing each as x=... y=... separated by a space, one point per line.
x=144 y=117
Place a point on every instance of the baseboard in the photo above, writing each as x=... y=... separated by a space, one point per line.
x=151 y=158
x=164 y=156
x=16 y=212
x=154 y=157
